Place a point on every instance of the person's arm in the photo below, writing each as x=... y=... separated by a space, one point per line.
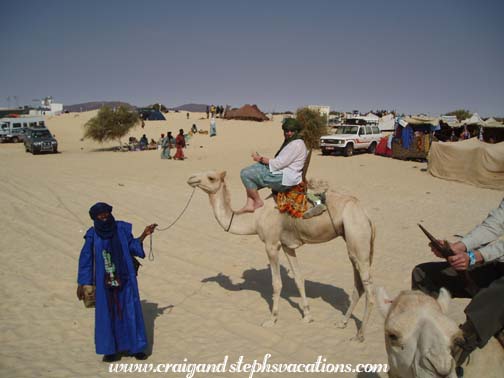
x=85 y=275
x=489 y=230
x=290 y=153
x=136 y=244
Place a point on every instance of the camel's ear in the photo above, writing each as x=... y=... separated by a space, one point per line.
x=222 y=175
x=444 y=299
x=384 y=302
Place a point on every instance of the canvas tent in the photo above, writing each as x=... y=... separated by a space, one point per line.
x=470 y=161
x=413 y=137
x=155 y=115
x=475 y=119
x=148 y=114
x=492 y=122
x=247 y=112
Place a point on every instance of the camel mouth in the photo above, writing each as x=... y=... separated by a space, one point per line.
x=193 y=181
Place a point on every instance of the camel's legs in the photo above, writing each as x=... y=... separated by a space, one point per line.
x=362 y=284
x=365 y=279
x=299 y=280
x=359 y=240
x=272 y=252
x=357 y=292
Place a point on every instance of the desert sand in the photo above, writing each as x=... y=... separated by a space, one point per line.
x=206 y=292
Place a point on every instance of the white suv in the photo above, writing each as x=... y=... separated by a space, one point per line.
x=349 y=138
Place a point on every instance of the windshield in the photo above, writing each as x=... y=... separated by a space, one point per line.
x=355 y=121
x=41 y=134
x=346 y=130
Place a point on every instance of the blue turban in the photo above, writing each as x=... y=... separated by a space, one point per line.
x=105 y=229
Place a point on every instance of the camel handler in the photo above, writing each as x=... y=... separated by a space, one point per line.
x=106 y=263
x=481 y=255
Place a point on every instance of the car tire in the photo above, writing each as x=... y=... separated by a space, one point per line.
x=349 y=149
x=55 y=150
x=372 y=148
x=15 y=139
x=325 y=152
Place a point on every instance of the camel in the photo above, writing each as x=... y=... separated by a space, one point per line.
x=277 y=230
x=419 y=337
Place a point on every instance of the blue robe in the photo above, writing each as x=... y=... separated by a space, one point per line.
x=114 y=334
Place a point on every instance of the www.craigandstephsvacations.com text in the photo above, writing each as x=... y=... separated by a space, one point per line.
x=249 y=369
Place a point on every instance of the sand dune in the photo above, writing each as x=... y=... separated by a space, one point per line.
x=206 y=292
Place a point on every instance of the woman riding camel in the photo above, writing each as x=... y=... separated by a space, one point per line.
x=280 y=173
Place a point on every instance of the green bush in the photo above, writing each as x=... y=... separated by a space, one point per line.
x=110 y=124
x=314 y=126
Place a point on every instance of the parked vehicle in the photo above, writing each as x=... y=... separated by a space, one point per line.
x=39 y=140
x=350 y=138
x=13 y=129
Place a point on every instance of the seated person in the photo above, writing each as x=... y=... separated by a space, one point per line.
x=280 y=173
x=480 y=255
x=194 y=129
x=143 y=142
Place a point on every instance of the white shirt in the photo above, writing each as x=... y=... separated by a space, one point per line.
x=290 y=162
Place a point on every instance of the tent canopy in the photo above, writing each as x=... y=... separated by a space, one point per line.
x=475 y=119
x=491 y=122
x=247 y=112
x=469 y=161
x=421 y=120
x=156 y=115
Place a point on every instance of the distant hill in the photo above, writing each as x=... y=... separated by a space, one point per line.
x=198 y=108
x=87 y=106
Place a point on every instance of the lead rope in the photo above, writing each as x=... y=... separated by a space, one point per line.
x=151 y=252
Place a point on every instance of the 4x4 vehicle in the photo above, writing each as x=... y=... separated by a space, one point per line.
x=40 y=140
x=350 y=138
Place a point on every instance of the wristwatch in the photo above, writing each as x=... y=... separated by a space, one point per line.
x=472 y=258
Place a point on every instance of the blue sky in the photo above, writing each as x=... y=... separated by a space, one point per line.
x=413 y=56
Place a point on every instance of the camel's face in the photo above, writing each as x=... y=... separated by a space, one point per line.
x=419 y=336
x=210 y=182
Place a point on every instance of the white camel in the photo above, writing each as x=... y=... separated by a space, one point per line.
x=277 y=230
x=419 y=337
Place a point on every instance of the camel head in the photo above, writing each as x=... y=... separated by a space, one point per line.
x=418 y=334
x=210 y=182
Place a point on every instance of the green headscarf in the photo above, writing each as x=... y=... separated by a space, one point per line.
x=290 y=124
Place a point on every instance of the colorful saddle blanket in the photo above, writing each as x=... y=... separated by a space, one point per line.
x=293 y=201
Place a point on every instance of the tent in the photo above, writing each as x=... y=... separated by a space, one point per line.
x=413 y=137
x=492 y=122
x=246 y=112
x=475 y=119
x=155 y=115
x=470 y=161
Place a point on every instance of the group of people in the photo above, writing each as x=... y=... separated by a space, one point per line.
x=119 y=322
x=213 y=111
x=167 y=142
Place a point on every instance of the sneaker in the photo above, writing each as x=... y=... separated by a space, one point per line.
x=465 y=342
x=314 y=211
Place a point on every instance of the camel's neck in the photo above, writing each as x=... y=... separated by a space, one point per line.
x=239 y=224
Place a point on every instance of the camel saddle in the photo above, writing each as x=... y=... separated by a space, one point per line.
x=296 y=202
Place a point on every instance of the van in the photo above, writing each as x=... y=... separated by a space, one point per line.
x=13 y=129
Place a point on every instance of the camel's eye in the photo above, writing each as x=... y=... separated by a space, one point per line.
x=393 y=338
x=212 y=179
